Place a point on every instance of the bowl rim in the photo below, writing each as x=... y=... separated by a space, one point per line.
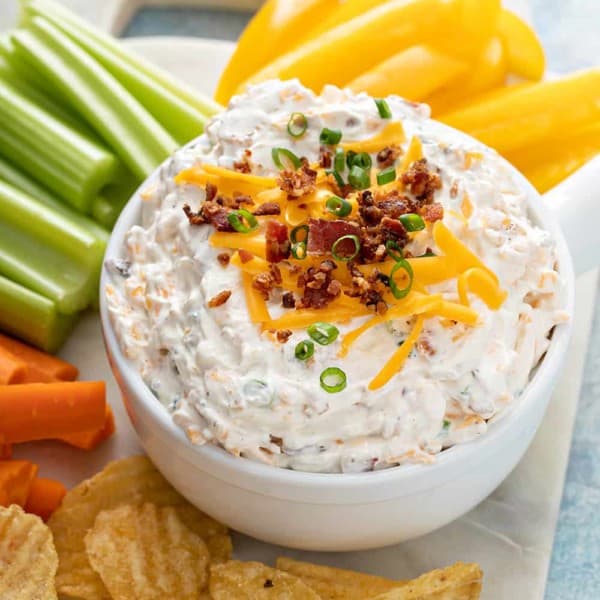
x=445 y=461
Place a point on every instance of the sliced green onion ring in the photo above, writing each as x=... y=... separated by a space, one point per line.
x=298 y=250
x=348 y=258
x=336 y=176
x=391 y=246
x=294 y=234
x=330 y=137
x=304 y=350
x=383 y=108
x=362 y=159
x=412 y=222
x=242 y=220
x=323 y=333
x=333 y=380
x=386 y=176
x=403 y=265
x=359 y=178
x=350 y=158
x=338 y=206
x=297 y=124
x=281 y=156
x=339 y=162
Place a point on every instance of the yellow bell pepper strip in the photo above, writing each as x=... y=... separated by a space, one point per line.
x=414 y=73
x=338 y=56
x=395 y=363
x=523 y=48
x=488 y=72
x=528 y=116
x=546 y=165
x=276 y=28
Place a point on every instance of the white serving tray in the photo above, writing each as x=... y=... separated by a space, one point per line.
x=510 y=534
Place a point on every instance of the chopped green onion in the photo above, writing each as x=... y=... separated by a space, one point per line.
x=383 y=108
x=348 y=258
x=336 y=176
x=284 y=158
x=297 y=124
x=242 y=220
x=391 y=246
x=299 y=250
x=359 y=178
x=339 y=162
x=330 y=137
x=333 y=380
x=294 y=234
x=412 y=222
x=350 y=158
x=304 y=350
x=338 y=206
x=446 y=424
x=386 y=176
x=403 y=265
x=323 y=333
x=362 y=159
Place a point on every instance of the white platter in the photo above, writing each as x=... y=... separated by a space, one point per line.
x=510 y=534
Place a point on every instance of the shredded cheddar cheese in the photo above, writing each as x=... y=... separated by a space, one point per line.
x=392 y=133
x=481 y=283
x=414 y=152
x=255 y=244
x=257 y=307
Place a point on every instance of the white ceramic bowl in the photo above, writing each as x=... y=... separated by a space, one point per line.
x=358 y=511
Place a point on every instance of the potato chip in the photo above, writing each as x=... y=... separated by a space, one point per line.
x=147 y=553
x=461 y=581
x=132 y=480
x=28 y=559
x=255 y=581
x=336 y=584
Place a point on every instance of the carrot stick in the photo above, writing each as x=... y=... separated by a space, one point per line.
x=88 y=440
x=53 y=367
x=12 y=368
x=45 y=496
x=16 y=477
x=39 y=411
x=5 y=450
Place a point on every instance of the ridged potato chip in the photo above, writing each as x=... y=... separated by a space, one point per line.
x=461 y=581
x=147 y=553
x=28 y=559
x=132 y=480
x=337 y=584
x=255 y=581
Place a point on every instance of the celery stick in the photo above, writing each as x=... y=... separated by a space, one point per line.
x=49 y=9
x=32 y=317
x=11 y=175
x=180 y=119
x=128 y=128
x=49 y=226
x=107 y=206
x=72 y=165
x=40 y=268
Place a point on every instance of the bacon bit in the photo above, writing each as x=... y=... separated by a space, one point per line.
x=322 y=234
x=388 y=156
x=276 y=242
x=369 y=290
x=195 y=218
x=276 y=440
x=234 y=202
x=243 y=166
x=454 y=189
x=210 y=192
x=283 y=335
x=223 y=258
x=245 y=256
x=432 y=212
x=219 y=299
x=421 y=182
x=424 y=347
x=319 y=286
x=275 y=274
x=267 y=208
x=298 y=183
x=288 y=300
x=264 y=283
x=325 y=158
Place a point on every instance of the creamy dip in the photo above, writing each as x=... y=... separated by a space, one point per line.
x=227 y=383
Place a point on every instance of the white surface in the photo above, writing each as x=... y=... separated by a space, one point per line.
x=509 y=534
